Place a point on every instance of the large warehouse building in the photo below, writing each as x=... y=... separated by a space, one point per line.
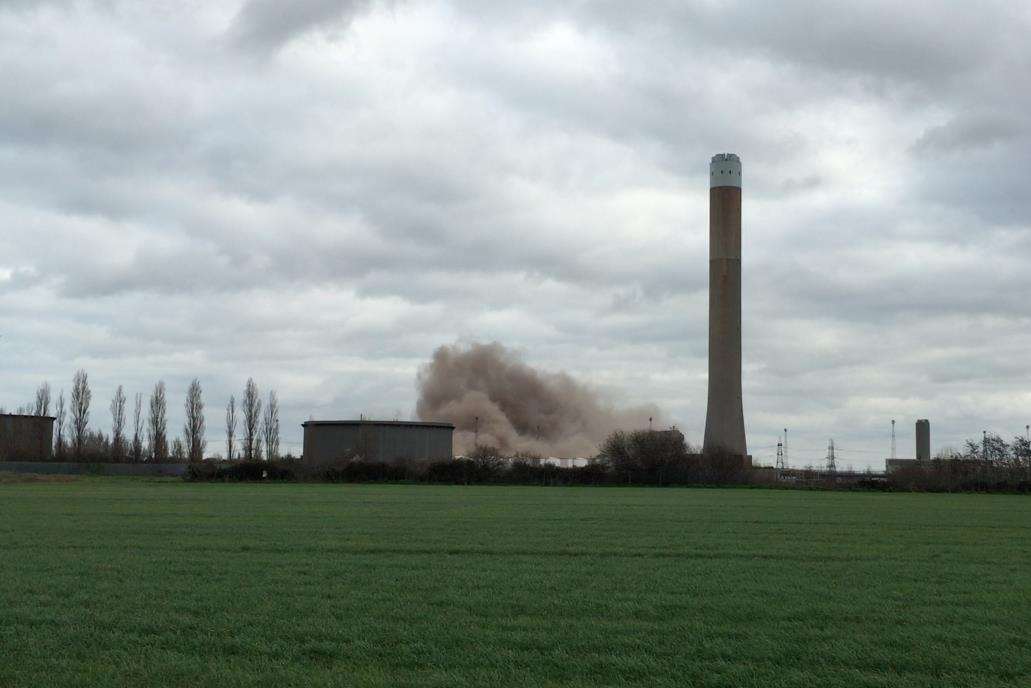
x=381 y=441
x=26 y=438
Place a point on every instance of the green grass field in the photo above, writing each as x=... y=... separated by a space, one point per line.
x=122 y=582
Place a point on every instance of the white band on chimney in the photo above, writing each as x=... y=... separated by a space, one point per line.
x=725 y=170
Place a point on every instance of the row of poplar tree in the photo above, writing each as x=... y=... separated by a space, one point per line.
x=257 y=422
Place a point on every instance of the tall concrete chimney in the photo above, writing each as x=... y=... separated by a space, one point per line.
x=725 y=417
x=923 y=440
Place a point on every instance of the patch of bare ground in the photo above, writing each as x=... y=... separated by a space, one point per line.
x=7 y=477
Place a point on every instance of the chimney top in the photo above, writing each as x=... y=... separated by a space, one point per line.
x=724 y=157
x=725 y=170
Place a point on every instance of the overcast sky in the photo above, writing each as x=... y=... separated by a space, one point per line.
x=318 y=193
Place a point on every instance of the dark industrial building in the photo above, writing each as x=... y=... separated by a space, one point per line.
x=26 y=438
x=923 y=449
x=382 y=441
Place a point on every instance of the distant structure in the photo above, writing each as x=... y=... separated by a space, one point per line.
x=832 y=463
x=725 y=418
x=672 y=434
x=923 y=440
x=26 y=438
x=380 y=441
x=896 y=465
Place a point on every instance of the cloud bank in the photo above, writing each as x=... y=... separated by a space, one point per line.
x=318 y=193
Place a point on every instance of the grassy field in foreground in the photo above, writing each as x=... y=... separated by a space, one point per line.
x=122 y=582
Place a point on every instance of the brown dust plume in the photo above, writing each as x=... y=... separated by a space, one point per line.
x=520 y=408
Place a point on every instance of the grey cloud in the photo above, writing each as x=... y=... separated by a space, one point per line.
x=913 y=41
x=527 y=173
x=266 y=25
x=921 y=42
x=987 y=184
x=969 y=132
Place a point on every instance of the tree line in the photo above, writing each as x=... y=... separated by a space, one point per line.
x=139 y=433
x=643 y=457
x=989 y=465
x=992 y=450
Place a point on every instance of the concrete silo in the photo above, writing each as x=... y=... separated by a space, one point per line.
x=379 y=441
x=923 y=440
x=725 y=418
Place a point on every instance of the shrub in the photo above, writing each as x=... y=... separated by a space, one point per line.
x=488 y=462
x=286 y=469
x=229 y=471
x=457 y=472
x=656 y=457
x=357 y=471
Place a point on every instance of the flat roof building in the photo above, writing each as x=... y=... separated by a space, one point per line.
x=26 y=438
x=379 y=441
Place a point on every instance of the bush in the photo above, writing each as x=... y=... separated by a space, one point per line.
x=644 y=458
x=488 y=461
x=662 y=457
x=357 y=471
x=961 y=474
x=287 y=469
x=457 y=472
x=227 y=471
x=532 y=472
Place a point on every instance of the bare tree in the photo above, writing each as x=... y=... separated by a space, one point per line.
x=59 y=412
x=178 y=450
x=995 y=449
x=157 y=424
x=1021 y=448
x=230 y=426
x=118 y=424
x=137 y=430
x=270 y=427
x=43 y=400
x=80 y=410
x=251 y=421
x=193 y=430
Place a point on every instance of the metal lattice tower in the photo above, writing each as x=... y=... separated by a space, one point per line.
x=831 y=463
x=780 y=455
x=893 y=438
x=786 y=464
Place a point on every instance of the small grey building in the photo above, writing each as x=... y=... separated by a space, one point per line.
x=26 y=438
x=381 y=441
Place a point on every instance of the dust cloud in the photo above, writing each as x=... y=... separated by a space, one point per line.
x=520 y=408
